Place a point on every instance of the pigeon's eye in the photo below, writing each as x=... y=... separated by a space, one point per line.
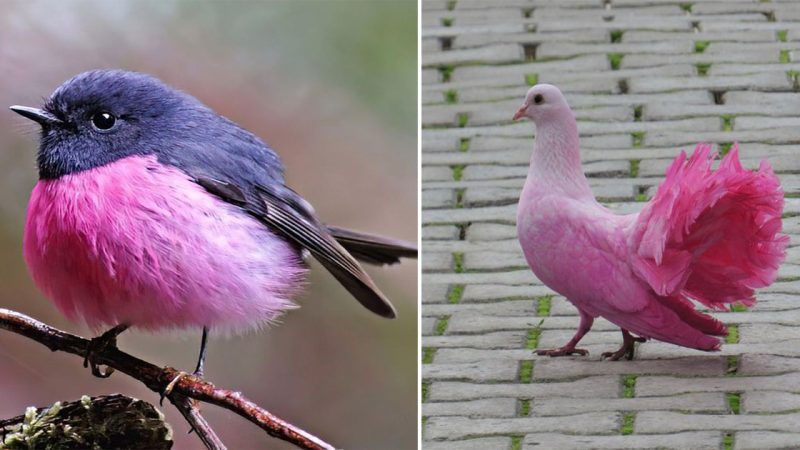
x=538 y=99
x=103 y=121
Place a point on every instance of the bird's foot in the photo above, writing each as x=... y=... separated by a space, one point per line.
x=562 y=351
x=168 y=389
x=99 y=344
x=626 y=351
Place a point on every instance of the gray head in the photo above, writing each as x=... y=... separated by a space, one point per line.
x=101 y=116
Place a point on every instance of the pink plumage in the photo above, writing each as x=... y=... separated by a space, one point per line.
x=713 y=236
x=139 y=242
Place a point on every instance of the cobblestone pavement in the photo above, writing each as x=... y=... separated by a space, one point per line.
x=646 y=78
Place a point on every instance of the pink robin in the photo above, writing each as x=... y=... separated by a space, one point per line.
x=709 y=236
x=152 y=211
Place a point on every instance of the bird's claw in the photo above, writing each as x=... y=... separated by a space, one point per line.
x=563 y=351
x=99 y=344
x=168 y=390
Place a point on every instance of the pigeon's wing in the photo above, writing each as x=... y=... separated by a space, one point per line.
x=373 y=249
x=286 y=212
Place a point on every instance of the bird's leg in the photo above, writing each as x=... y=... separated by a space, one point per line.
x=627 y=349
x=198 y=371
x=569 y=348
x=101 y=343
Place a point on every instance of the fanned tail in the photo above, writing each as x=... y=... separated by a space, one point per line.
x=712 y=236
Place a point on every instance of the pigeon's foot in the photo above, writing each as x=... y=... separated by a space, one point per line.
x=628 y=347
x=102 y=343
x=562 y=351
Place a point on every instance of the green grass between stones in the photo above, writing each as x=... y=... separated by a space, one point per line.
x=616 y=36
x=446 y=72
x=532 y=340
x=727 y=122
x=727 y=441
x=733 y=334
x=451 y=96
x=634 y=169
x=543 y=305
x=531 y=79
x=425 y=391
x=638 y=139
x=738 y=307
x=525 y=371
x=458 y=172
x=615 y=59
x=628 y=419
x=460 y=197
x=441 y=325
x=524 y=408
x=637 y=113
x=629 y=386
x=686 y=7
x=447 y=21
x=455 y=293
x=516 y=442
x=725 y=147
x=463 y=144
x=734 y=401
x=458 y=262
x=702 y=68
x=733 y=365
x=781 y=34
x=785 y=58
x=700 y=46
x=463 y=119
x=427 y=354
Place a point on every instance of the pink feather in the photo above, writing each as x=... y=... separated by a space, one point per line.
x=154 y=251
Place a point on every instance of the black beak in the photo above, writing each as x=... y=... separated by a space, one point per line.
x=39 y=116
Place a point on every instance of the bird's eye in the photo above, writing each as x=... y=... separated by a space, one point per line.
x=538 y=99
x=103 y=121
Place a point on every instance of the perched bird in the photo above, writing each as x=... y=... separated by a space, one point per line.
x=709 y=236
x=152 y=211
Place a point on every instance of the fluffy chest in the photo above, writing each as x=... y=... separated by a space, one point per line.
x=140 y=242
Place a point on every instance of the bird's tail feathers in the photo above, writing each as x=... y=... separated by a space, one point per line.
x=713 y=236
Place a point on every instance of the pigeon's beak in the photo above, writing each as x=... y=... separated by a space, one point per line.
x=520 y=112
x=37 y=115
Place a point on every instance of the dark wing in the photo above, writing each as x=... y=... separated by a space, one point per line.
x=373 y=249
x=286 y=212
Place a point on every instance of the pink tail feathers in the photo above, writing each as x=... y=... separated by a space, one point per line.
x=713 y=236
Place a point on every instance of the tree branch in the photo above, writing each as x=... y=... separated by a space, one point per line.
x=157 y=378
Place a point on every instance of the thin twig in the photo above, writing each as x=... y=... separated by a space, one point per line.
x=157 y=378
x=199 y=424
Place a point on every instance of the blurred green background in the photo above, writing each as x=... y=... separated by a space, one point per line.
x=332 y=86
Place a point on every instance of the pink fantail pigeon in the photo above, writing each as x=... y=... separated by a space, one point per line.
x=709 y=236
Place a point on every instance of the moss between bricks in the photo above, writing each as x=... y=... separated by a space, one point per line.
x=727 y=122
x=463 y=145
x=451 y=5
x=781 y=35
x=451 y=96
x=727 y=441
x=425 y=391
x=447 y=21
x=532 y=340
x=525 y=371
x=734 y=400
x=458 y=172
x=686 y=7
x=700 y=46
x=460 y=197
x=455 y=293
x=702 y=68
x=516 y=442
x=441 y=325
x=615 y=59
x=725 y=147
x=531 y=79
x=733 y=335
x=543 y=305
x=641 y=197
x=427 y=354
x=634 y=169
x=446 y=72
x=458 y=262
x=628 y=419
x=638 y=139
x=738 y=307
x=629 y=386
x=784 y=58
x=463 y=118
x=637 y=113
x=733 y=365
x=524 y=408
x=616 y=36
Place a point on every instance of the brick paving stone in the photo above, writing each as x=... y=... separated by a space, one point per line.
x=707 y=440
x=646 y=78
x=494 y=407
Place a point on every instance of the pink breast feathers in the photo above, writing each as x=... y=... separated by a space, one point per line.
x=139 y=242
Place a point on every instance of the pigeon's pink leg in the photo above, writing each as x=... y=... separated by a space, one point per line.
x=569 y=348
x=627 y=348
